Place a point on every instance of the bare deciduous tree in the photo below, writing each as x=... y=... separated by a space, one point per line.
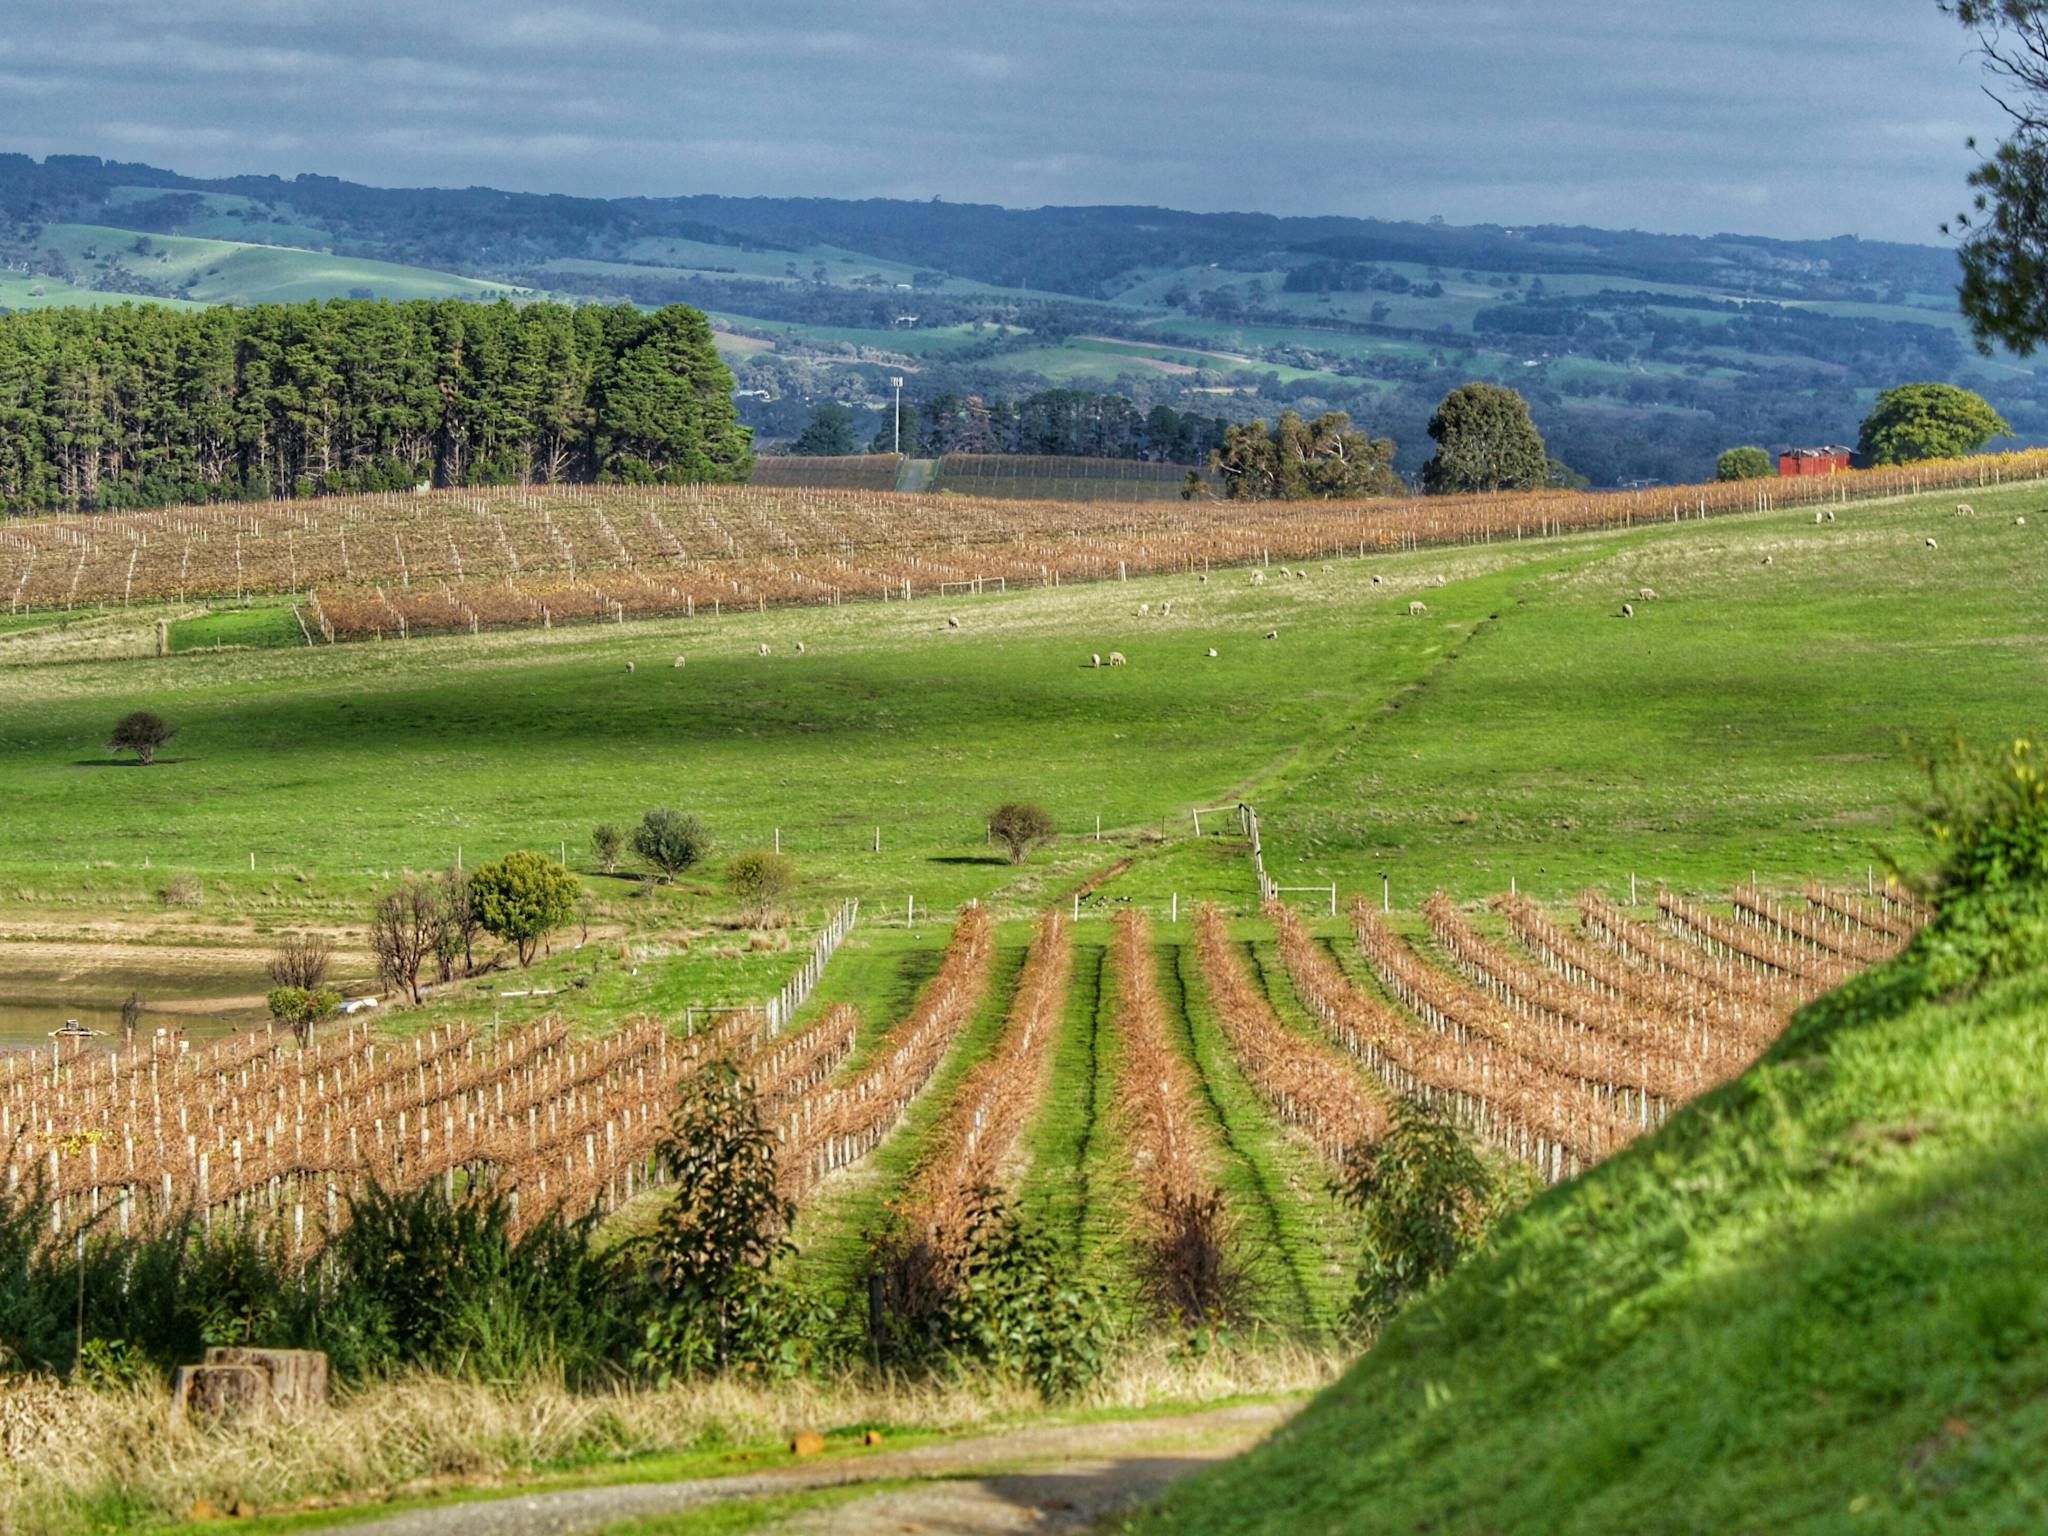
x=405 y=928
x=301 y=960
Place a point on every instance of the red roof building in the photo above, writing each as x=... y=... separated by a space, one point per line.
x=1814 y=461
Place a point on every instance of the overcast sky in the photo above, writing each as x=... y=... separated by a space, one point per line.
x=1815 y=117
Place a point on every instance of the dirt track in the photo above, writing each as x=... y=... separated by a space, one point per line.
x=1058 y=1478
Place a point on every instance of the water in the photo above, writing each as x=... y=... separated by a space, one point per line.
x=28 y=1026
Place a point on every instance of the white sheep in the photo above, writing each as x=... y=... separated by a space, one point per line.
x=1212 y=653
x=1964 y=509
x=1647 y=594
x=952 y=622
x=1439 y=579
x=1203 y=577
x=1932 y=545
x=1272 y=634
x=1258 y=578
x=1767 y=559
x=1116 y=658
x=629 y=666
x=2019 y=522
x=679 y=661
x=764 y=647
x=1818 y=518
x=1831 y=514
x=1144 y=608
x=1166 y=610
x=1095 y=658
x=799 y=647
x=1416 y=610
x=1628 y=610
x=1377 y=580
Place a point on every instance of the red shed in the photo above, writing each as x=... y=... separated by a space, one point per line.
x=1825 y=460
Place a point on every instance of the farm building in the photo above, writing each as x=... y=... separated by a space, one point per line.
x=1814 y=461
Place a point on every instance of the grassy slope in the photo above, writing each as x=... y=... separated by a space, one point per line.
x=1817 y=1301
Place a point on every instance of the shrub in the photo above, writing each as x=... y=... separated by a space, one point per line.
x=670 y=841
x=1020 y=826
x=182 y=891
x=607 y=842
x=1021 y=1307
x=300 y=1008
x=142 y=733
x=760 y=881
x=1426 y=1198
x=724 y=1226
x=522 y=898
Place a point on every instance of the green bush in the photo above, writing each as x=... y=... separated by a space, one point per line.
x=671 y=841
x=1745 y=463
x=522 y=898
x=760 y=881
x=1426 y=1198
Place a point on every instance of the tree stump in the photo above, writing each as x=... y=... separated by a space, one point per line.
x=219 y=1391
x=298 y=1377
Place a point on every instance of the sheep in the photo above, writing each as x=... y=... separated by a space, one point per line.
x=1818 y=518
x=1272 y=634
x=764 y=647
x=1416 y=610
x=1327 y=569
x=1143 y=609
x=1628 y=610
x=1439 y=579
x=1212 y=653
x=1964 y=509
x=1116 y=658
x=1203 y=577
x=1166 y=610
x=952 y=622
x=1095 y=658
x=679 y=661
x=1767 y=559
x=799 y=647
x=1258 y=578
x=629 y=666
x=1283 y=570
x=1647 y=594
x=1831 y=514
x=2019 y=522
x=1932 y=545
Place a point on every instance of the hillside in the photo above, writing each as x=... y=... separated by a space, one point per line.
x=1813 y=1302
x=1642 y=354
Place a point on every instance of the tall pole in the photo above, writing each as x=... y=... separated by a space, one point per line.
x=896 y=379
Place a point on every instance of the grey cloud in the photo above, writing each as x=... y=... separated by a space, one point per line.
x=1848 y=117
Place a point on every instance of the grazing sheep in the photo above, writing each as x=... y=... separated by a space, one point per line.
x=1116 y=658
x=1166 y=610
x=1272 y=634
x=1212 y=653
x=1095 y=658
x=952 y=622
x=1143 y=609
x=679 y=661
x=1258 y=578
x=1203 y=577
x=1831 y=514
x=1647 y=594
x=764 y=647
x=1817 y=519
x=1767 y=559
x=1416 y=610
x=1932 y=545
x=1439 y=579
x=1377 y=580
x=1327 y=569
x=1628 y=610
x=2019 y=522
x=1283 y=570
x=629 y=666
x=799 y=647
x=1964 y=509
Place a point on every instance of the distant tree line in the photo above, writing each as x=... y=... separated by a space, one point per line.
x=141 y=405
x=1072 y=422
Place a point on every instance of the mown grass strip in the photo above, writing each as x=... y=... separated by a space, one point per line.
x=832 y=1231
x=1276 y=1184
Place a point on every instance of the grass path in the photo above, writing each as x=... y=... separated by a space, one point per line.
x=1275 y=1184
x=1071 y=1188
x=832 y=1229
